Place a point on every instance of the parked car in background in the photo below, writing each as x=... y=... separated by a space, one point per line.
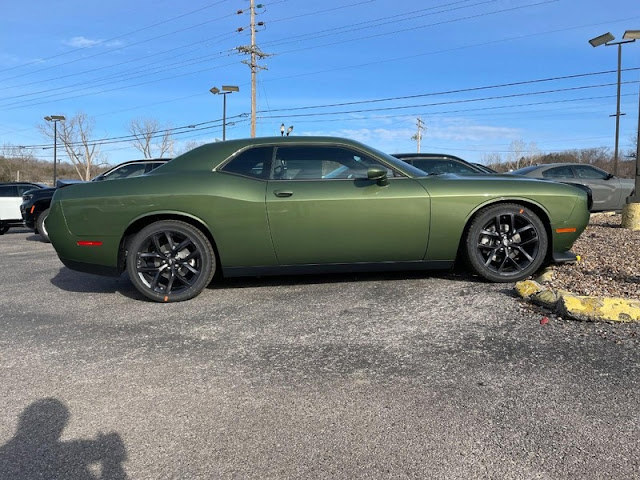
x=274 y=205
x=609 y=192
x=439 y=163
x=35 y=203
x=10 y=199
x=484 y=168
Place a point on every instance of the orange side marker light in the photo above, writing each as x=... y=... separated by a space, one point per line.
x=565 y=230
x=33 y=207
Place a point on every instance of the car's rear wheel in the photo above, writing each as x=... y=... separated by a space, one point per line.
x=506 y=243
x=40 y=226
x=170 y=261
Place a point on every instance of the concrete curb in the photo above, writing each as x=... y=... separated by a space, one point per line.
x=578 y=307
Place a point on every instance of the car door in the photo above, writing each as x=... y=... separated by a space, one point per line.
x=323 y=209
x=605 y=188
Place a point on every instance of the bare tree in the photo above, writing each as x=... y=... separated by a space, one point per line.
x=522 y=155
x=190 y=145
x=75 y=135
x=145 y=131
x=11 y=170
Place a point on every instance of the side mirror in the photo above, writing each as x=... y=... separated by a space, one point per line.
x=379 y=175
x=609 y=176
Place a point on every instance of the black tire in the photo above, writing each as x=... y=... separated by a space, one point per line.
x=3 y=229
x=40 y=226
x=170 y=261
x=506 y=243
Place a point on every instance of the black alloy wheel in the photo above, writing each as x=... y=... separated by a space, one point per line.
x=506 y=243
x=170 y=261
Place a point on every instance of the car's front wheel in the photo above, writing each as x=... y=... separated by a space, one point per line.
x=170 y=261
x=506 y=243
x=40 y=226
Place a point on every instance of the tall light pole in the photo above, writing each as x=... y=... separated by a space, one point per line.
x=226 y=90
x=606 y=39
x=55 y=119
x=632 y=35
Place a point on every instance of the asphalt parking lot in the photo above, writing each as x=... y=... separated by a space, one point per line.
x=418 y=375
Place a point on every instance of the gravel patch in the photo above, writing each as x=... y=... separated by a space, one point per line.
x=609 y=261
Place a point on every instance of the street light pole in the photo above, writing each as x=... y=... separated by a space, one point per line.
x=631 y=211
x=55 y=119
x=606 y=39
x=226 y=89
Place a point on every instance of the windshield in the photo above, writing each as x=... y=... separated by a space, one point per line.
x=402 y=166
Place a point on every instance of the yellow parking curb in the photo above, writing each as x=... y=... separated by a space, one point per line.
x=577 y=307
x=608 y=309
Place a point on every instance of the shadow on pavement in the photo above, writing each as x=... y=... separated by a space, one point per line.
x=79 y=282
x=37 y=451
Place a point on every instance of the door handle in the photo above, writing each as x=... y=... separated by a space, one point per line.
x=282 y=193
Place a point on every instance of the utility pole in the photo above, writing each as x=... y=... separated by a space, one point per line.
x=255 y=54
x=418 y=135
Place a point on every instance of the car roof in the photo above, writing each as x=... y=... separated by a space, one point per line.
x=427 y=155
x=561 y=164
x=201 y=157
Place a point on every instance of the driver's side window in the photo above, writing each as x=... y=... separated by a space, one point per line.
x=321 y=163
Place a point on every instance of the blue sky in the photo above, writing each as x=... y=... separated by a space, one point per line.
x=363 y=69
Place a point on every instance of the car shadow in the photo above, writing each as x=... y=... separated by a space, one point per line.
x=313 y=279
x=34 y=237
x=79 y=282
x=38 y=451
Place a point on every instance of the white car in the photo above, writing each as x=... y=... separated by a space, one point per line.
x=10 y=200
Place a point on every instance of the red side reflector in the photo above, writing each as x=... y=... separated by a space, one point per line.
x=88 y=243
x=32 y=209
x=565 y=230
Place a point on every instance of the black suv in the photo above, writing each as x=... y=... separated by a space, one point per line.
x=35 y=203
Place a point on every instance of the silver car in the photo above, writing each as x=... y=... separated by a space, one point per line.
x=609 y=192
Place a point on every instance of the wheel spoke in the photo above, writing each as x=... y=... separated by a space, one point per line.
x=190 y=267
x=156 y=279
x=182 y=245
x=518 y=267
x=149 y=269
x=183 y=279
x=513 y=223
x=491 y=255
x=503 y=262
x=156 y=242
x=522 y=250
x=151 y=255
x=172 y=276
x=525 y=228
x=526 y=242
x=489 y=233
x=498 y=226
x=169 y=236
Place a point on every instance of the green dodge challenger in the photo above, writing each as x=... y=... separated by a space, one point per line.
x=306 y=205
